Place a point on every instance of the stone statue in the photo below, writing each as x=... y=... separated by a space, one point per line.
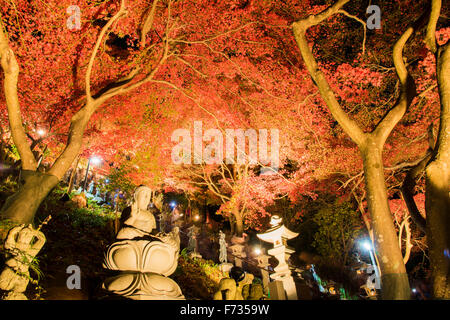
x=162 y=222
x=141 y=221
x=238 y=287
x=80 y=200
x=145 y=258
x=192 y=244
x=223 y=256
x=22 y=244
x=91 y=187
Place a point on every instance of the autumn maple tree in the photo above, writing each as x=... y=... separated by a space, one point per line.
x=370 y=144
x=137 y=71
x=136 y=43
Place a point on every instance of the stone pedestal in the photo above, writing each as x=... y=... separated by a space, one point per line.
x=144 y=286
x=279 y=253
x=263 y=263
x=225 y=267
x=276 y=290
x=195 y=255
x=288 y=252
x=282 y=272
x=145 y=267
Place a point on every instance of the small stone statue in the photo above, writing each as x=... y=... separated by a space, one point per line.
x=223 y=248
x=22 y=244
x=238 y=287
x=192 y=244
x=91 y=187
x=192 y=234
x=80 y=200
x=162 y=222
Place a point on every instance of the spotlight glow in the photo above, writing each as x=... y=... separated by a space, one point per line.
x=366 y=245
x=95 y=160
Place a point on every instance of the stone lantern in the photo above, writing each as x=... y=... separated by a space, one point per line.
x=238 y=249
x=278 y=234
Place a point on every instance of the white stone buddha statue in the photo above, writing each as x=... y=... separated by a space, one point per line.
x=145 y=258
x=141 y=221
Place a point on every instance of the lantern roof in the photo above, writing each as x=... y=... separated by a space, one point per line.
x=276 y=233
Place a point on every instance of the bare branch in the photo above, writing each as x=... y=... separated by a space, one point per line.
x=408 y=88
x=363 y=24
x=148 y=22
x=299 y=28
x=430 y=37
x=211 y=38
x=119 y=14
x=407 y=190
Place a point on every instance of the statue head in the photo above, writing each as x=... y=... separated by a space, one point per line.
x=237 y=274
x=142 y=196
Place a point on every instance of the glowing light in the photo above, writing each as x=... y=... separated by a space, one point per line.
x=257 y=251
x=41 y=132
x=173 y=204
x=366 y=245
x=196 y=217
x=414 y=290
x=95 y=160
x=447 y=253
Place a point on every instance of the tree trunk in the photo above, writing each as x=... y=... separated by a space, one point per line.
x=239 y=229
x=232 y=224
x=437 y=206
x=33 y=188
x=72 y=176
x=437 y=200
x=394 y=279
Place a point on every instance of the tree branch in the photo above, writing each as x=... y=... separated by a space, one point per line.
x=430 y=37
x=408 y=92
x=299 y=28
x=363 y=24
x=11 y=70
x=408 y=88
x=148 y=22
x=105 y=28
x=407 y=190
